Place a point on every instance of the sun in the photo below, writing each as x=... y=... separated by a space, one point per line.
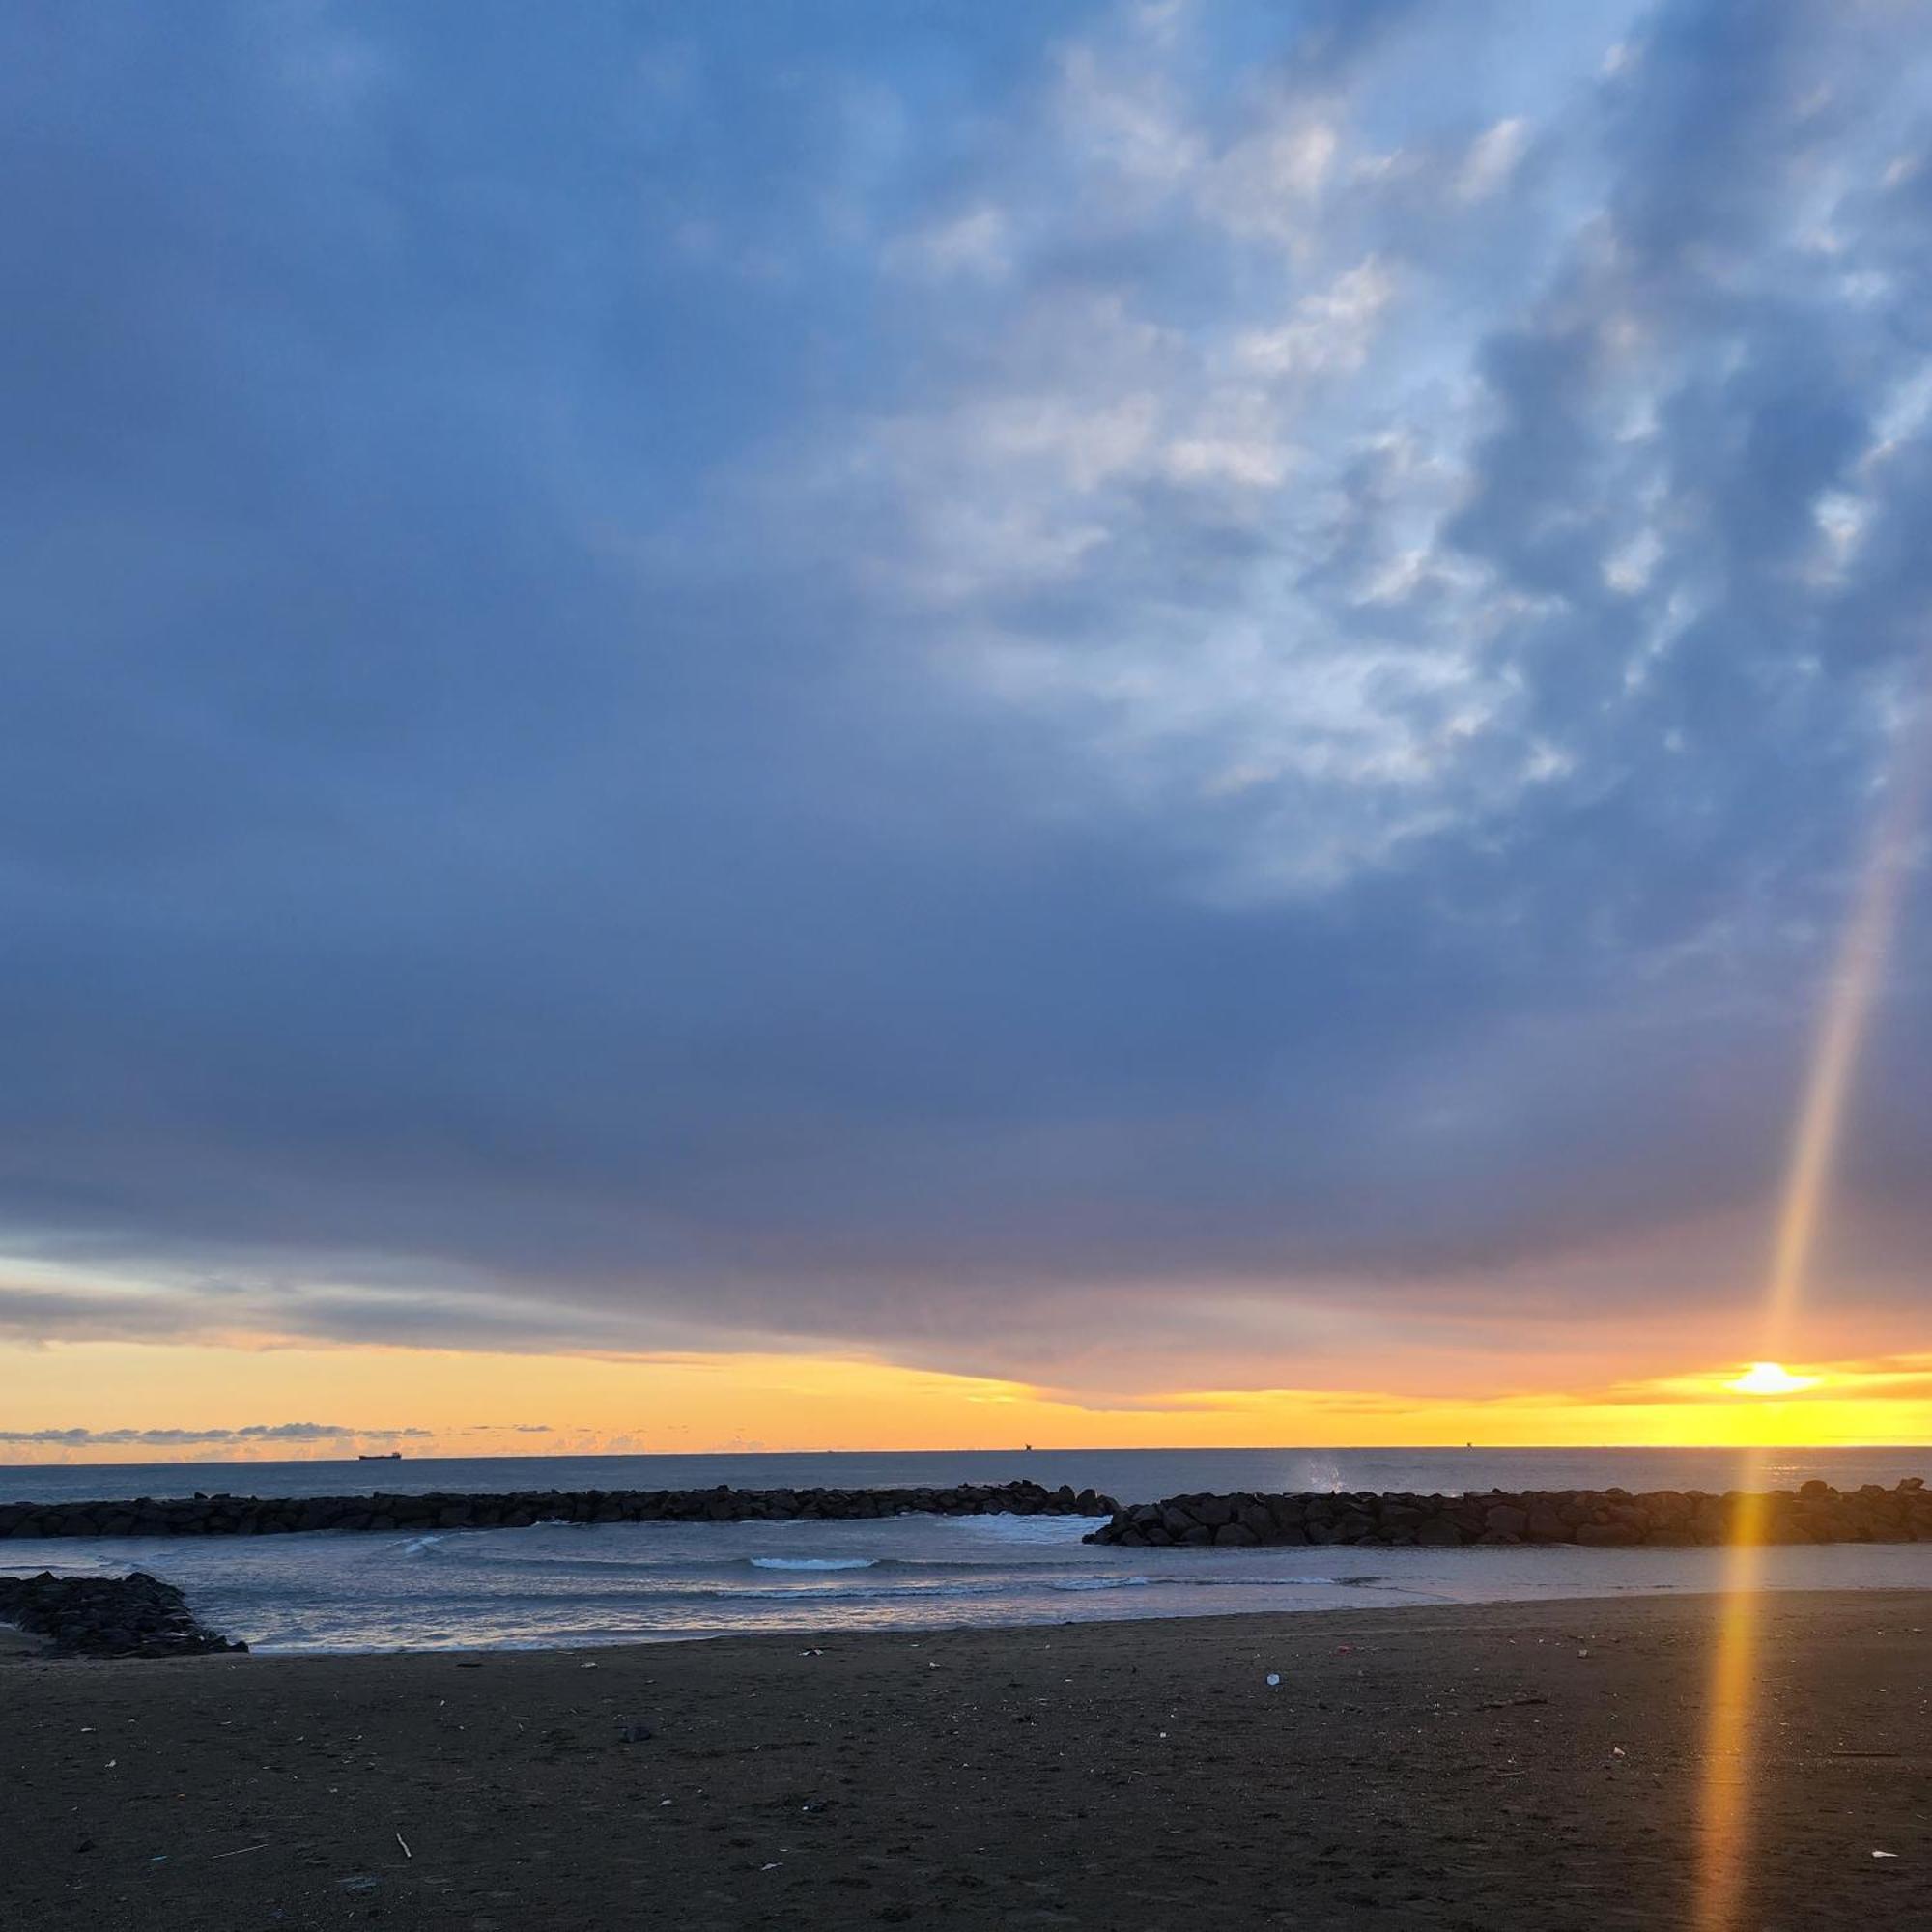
x=1769 y=1379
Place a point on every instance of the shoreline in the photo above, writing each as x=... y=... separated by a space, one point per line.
x=1534 y=1764
x=379 y=1617
x=16 y=1641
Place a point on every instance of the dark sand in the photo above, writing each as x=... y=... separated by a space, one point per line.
x=1430 y=1767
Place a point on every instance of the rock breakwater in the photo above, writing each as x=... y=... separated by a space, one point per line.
x=1597 y=1518
x=282 y=1515
x=136 y=1615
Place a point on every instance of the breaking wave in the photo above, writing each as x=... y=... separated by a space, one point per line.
x=814 y=1562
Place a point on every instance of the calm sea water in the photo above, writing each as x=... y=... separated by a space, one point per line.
x=618 y=1582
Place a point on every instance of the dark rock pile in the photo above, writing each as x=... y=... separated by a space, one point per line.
x=1607 y=1519
x=136 y=1615
x=279 y=1516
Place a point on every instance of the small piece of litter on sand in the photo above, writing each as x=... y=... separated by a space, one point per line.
x=1274 y=1680
x=240 y=1849
x=1885 y=1854
x=469 y=1664
x=772 y=1868
x=586 y=1666
x=407 y=1852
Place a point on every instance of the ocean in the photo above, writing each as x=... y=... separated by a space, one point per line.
x=584 y=1584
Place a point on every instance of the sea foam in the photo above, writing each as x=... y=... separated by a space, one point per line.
x=814 y=1563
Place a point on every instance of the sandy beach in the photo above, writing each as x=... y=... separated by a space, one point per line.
x=1523 y=1766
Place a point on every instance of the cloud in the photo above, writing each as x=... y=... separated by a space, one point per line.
x=1037 y=697
x=170 y=1439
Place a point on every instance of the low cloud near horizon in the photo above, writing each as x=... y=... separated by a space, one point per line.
x=1126 y=696
x=164 y=1439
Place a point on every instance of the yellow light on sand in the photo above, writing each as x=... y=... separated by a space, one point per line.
x=1769 y=1379
x=1722 y=1902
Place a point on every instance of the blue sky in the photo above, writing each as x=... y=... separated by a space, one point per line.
x=1084 y=692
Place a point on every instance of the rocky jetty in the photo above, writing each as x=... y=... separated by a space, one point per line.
x=282 y=1515
x=136 y=1615
x=1597 y=1518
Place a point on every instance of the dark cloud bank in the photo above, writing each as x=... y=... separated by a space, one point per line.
x=970 y=684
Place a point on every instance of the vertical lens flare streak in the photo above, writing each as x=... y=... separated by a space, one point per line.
x=1848 y=1006
x=1725 y=1801
x=1729 y=1756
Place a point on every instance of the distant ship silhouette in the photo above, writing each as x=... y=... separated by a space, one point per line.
x=383 y=1456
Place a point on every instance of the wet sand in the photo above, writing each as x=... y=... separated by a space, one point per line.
x=1496 y=1766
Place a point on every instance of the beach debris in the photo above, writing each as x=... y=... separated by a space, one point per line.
x=1885 y=1854
x=407 y=1852
x=361 y=1882
x=811 y=1653
x=240 y=1849
x=1274 y=1680
x=586 y=1666
x=775 y=1865
x=469 y=1664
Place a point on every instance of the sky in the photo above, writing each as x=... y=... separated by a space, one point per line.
x=858 y=725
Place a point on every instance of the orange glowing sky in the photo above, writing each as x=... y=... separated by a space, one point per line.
x=478 y=1403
